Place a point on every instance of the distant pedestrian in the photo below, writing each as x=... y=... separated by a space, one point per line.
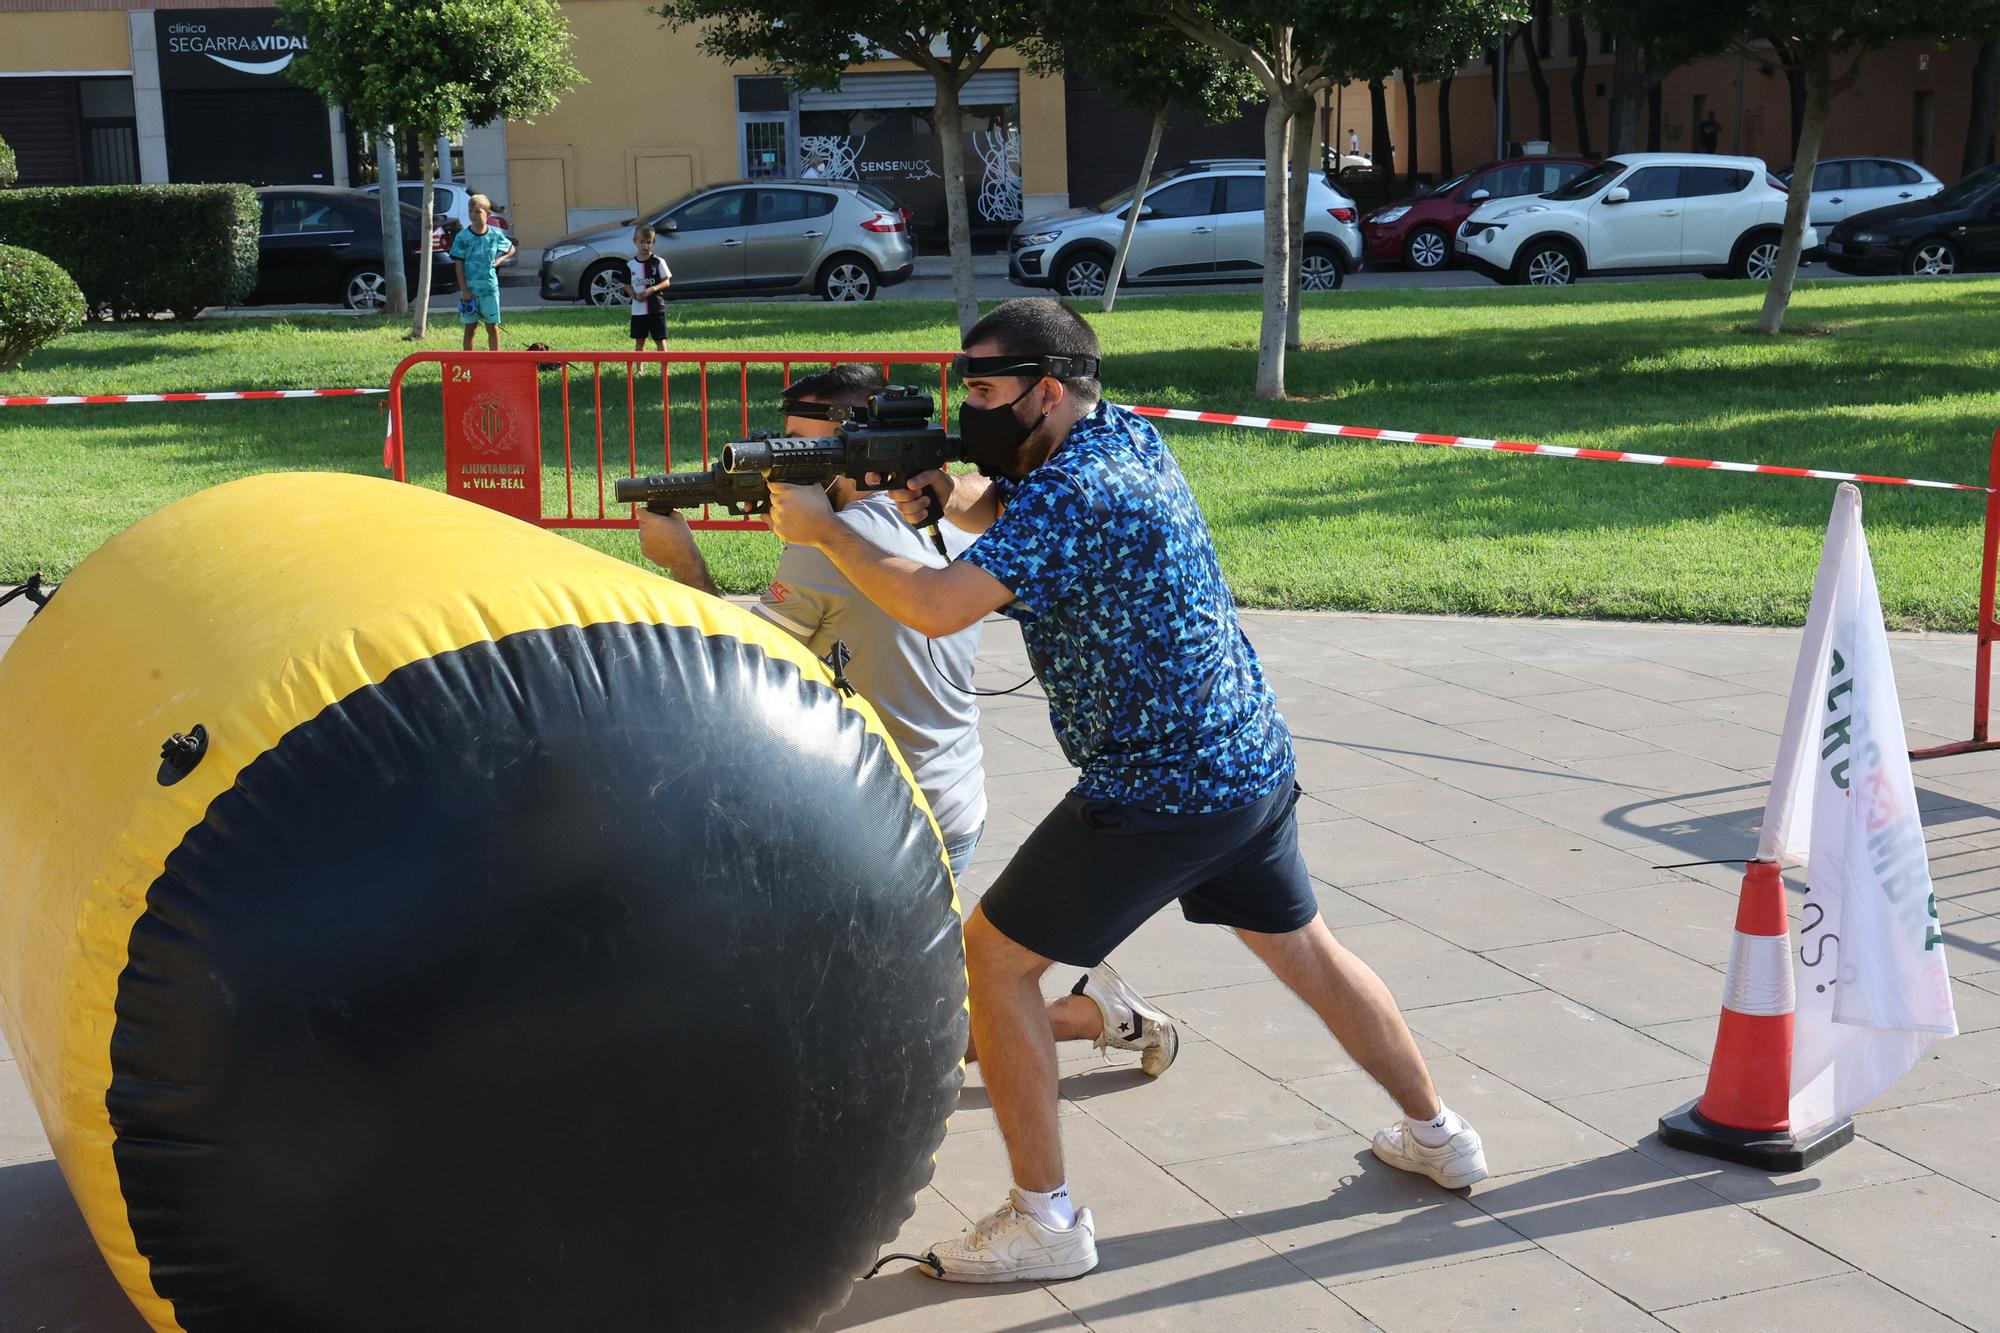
x=1353 y=143
x=476 y=252
x=1708 y=134
x=646 y=280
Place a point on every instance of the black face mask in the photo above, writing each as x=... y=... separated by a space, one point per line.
x=994 y=435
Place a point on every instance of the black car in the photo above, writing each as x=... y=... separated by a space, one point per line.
x=1952 y=231
x=320 y=243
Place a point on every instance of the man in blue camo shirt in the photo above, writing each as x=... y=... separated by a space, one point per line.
x=1092 y=542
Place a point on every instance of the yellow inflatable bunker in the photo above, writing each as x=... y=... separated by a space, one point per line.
x=412 y=920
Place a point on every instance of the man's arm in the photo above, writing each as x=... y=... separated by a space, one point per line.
x=934 y=602
x=667 y=541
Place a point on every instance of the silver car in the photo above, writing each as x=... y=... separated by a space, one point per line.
x=1200 y=223
x=1845 y=186
x=844 y=240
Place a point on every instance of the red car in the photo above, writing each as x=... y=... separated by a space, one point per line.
x=1417 y=232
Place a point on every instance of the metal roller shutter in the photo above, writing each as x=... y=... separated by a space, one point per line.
x=209 y=136
x=41 y=122
x=991 y=87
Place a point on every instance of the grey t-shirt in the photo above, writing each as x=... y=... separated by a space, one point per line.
x=935 y=724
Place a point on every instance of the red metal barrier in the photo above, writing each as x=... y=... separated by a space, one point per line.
x=497 y=417
x=1988 y=631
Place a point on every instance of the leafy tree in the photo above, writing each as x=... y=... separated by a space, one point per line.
x=1828 y=41
x=1295 y=48
x=10 y=171
x=812 y=42
x=1141 y=67
x=429 y=65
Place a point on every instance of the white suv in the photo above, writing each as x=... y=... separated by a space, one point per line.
x=1636 y=213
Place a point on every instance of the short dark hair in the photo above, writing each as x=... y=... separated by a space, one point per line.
x=849 y=384
x=1037 y=326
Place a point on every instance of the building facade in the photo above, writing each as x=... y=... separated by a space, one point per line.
x=1913 y=100
x=108 y=91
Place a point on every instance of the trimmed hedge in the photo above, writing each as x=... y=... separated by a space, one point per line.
x=142 y=250
x=38 y=303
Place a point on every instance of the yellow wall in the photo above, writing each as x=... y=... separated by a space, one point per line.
x=657 y=110
x=97 y=39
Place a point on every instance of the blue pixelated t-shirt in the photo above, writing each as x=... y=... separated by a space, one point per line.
x=1154 y=691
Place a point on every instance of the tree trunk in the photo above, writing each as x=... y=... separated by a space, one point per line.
x=1818 y=76
x=427 y=171
x=1138 y=196
x=1410 y=129
x=1796 y=78
x=1502 y=61
x=1985 y=94
x=1654 y=97
x=1628 y=96
x=1295 y=215
x=958 y=221
x=1277 y=253
x=389 y=201
x=1383 y=151
x=1445 y=171
x=1579 y=75
x=1544 y=117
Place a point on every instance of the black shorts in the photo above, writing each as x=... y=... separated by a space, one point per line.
x=652 y=325
x=1093 y=871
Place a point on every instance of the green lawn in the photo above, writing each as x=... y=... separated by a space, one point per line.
x=1900 y=377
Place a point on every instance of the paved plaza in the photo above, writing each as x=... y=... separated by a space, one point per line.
x=1489 y=803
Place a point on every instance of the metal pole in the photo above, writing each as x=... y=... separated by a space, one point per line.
x=1742 y=59
x=1500 y=100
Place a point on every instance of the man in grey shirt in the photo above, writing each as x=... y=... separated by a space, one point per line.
x=916 y=685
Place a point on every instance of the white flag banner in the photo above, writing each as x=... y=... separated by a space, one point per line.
x=1873 y=994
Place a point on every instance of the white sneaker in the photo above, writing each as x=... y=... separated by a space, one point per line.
x=1130 y=1024
x=1011 y=1246
x=1461 y=1161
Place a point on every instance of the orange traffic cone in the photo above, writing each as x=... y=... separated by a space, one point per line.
x=1744 y=1115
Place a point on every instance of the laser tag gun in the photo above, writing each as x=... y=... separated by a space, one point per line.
x=738 y=492
x=889 y=441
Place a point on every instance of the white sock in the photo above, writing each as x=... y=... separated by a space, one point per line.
x=1054 y=1210
x=1436 y=1133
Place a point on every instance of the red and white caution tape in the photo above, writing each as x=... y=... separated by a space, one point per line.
x=1550 y=450
x=72 y=400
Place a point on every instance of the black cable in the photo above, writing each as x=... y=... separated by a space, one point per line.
x=930 y=647
x=928 y=1260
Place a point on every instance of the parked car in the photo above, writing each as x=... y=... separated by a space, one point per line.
x=322 y=243
x=844 y=240
x=1845 y=186
x=1200 y=222
x=1952 y=231
x=1635 y=213
x=450 y=211
x=1416 y=232
x=447 y=200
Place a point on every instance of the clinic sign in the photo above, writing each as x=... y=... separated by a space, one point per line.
x=224 y=48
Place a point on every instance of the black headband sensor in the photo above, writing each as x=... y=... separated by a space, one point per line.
x=817 y=411
x=1033 y=367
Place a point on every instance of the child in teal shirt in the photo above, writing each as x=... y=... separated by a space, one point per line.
x=477 y=251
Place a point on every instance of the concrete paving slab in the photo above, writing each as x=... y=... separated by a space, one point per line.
x=1555 y=867
x=1334 y=1211
x=1929 y=1237
x=1530 y=1292
x=1846 y=1303
x=1478 y=911
x=1617 y=1219
x=1549 y=1046
x=1638 y=984
x=1212 y=1104
x=1693 y=919
x=1350 y=853
x=1425 y=812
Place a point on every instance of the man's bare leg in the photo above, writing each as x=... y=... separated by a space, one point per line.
x=1011 y=1026
x=1355 y=1006
x=1071 y=1018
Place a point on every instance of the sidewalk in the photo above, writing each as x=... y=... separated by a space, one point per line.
x=1488 y=801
